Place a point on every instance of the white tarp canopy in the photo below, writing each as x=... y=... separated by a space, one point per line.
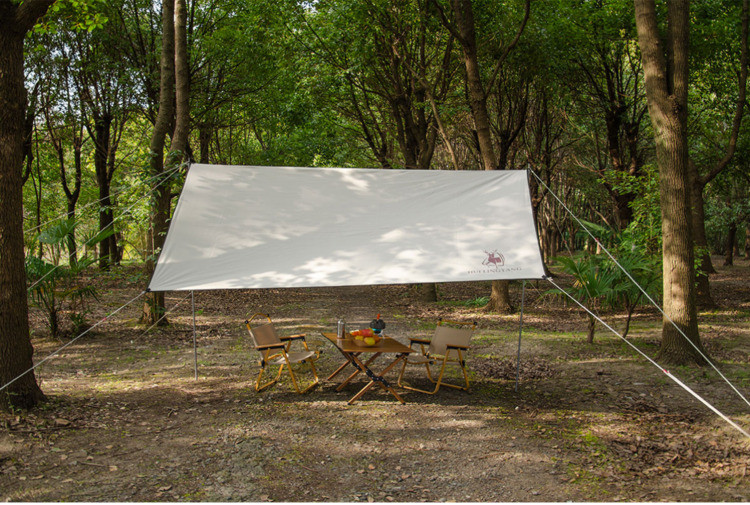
x=261 y=227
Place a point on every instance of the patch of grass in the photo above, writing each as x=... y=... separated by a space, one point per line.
x=291 y=306
x=198 y=495
x=588 y=438
x=592 y=483
x=530 y=332
x=485 y=339
x=739 y=375
x=479 y=301
x=487 y=355
x=426 y=325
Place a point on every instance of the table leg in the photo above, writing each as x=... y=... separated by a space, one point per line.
x=338 y=370
x=360 y=367
x=341 y=368
x=379 y=379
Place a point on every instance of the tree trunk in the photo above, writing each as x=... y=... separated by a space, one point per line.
x=731 y=242
x=16 y=351
x=623 y=209
x=703 y=296
x=626 y=330
x=737 y=253
x=179 y=146
x=500 y=298
x=747 y=242
x=70 y=240
x=154 y=308
x=204 y=142
x=591 y=330
x=102 y=131
x=666 y=74
x=427 y=292
x=115 y=250
x=464 y=16
x=36 y=180
x=546 y=237
x=72 y=197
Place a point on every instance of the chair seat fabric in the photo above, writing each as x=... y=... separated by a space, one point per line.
x=294 y=357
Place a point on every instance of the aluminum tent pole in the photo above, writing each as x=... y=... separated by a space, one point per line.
x=520 y=332
x=195 y=346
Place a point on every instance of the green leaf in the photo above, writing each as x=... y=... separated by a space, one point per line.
x=57 y=233
x=99 y=237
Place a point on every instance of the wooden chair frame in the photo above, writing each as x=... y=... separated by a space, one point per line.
x=277 y=348
x=427 y=359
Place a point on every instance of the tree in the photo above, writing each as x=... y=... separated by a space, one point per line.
x=178 y=149
x=161 y=202
x=608 y=84
x=64 y=127
x=56 y=137
x=545 y=145
x=16 y=20
x=103 y=83
x=462 y=26
x=665 y=64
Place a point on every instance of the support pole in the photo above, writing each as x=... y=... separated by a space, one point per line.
x=520 y=332
x=195 y=345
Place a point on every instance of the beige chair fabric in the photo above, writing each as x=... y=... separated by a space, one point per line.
x=275 y=350
x=448 y=335
x=264 y=334
x=446 y=347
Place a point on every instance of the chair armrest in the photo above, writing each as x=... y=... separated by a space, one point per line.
x=294 y=337
x=461 y=347
x=269 y=346
x=419 y=340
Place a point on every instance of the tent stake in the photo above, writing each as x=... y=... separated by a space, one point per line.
x=195 y=346
x=520 y=332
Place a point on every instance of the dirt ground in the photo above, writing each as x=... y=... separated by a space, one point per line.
x=127 y=421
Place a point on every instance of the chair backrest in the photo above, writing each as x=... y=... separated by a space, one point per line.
x=451 y=335
x=262 y=334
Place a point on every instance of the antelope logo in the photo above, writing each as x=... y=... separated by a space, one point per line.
x=494 y=258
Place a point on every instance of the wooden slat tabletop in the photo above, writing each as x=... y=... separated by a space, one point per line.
x=386 y=345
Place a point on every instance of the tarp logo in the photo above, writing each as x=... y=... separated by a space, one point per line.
x=494 y=258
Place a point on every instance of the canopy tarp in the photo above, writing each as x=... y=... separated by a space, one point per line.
x=261 y=227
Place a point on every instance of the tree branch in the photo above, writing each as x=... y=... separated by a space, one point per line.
x=30 y=11
x=504 y=56
x=446 y=22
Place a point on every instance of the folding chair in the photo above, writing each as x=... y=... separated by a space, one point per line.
x=275 y=350
x=447 y=347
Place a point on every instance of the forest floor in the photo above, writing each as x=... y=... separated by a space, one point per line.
x=126 y=420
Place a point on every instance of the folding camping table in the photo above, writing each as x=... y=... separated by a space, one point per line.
x=352 y=353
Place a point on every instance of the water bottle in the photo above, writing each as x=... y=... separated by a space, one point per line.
x=340 y=330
